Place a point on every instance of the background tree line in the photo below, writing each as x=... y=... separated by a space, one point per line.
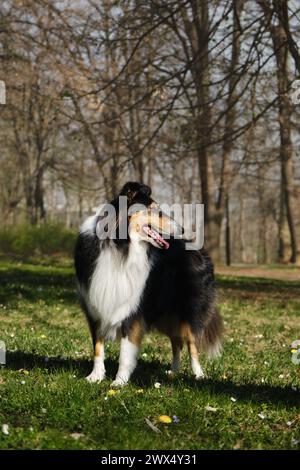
x=196 y=98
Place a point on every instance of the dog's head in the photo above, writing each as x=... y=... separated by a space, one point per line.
x=143 y=216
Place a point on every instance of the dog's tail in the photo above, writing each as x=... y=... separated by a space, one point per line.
x=211 y=336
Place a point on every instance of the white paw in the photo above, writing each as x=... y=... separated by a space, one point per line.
x=95 y=377
x=119 y=382
x=200 y=376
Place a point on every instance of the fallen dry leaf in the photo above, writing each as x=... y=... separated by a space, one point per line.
x=151 y=426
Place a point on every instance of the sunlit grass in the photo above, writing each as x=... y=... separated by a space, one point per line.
x=253 y=388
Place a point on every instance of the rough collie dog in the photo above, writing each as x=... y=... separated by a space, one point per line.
x=147 y=279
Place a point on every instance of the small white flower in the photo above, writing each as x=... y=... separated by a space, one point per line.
x=76 y=435
x=144 y=355
x=5 y=429
x=261 y=416
x=210 y=408
x=44 y=410
x=22 y=382
x=233 y=399
x=281 y=376
x=157 y=385
x=289 y=423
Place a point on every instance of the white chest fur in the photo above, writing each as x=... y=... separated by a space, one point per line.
x=117 y=285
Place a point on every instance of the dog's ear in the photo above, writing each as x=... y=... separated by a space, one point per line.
x=145 y=189
x=131 y=190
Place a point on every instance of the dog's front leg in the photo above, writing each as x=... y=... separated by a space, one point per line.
x=130 y=348
x=98 y=372
x=127 y=361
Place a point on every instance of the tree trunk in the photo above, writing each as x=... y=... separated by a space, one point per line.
x=282 y=10
x=227 y=234
x=281 y=51
x=281 y=249
x=229 y=121
x=198 y=32
x=286 y=146
x=39 y=206
x=30 y=209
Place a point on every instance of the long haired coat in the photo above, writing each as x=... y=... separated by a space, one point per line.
x=129 y=285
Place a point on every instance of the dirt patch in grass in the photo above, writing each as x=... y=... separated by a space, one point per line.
x=284 y=273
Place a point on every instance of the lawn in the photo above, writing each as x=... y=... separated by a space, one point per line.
x=249 y=400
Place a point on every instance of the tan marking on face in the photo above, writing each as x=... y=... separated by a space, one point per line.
x=137 y=331
x=157 y=221
x=137 y=220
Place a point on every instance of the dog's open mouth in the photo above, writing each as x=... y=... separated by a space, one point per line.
x=156 y=237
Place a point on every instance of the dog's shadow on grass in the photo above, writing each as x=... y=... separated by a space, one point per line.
x=149 y=372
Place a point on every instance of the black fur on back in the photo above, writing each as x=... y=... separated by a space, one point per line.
x=181 y=284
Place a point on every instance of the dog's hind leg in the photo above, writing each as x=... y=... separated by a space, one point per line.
x=193 y=348
x=130 y=347
x=177 y=344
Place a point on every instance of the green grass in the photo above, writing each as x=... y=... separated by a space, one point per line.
x=48 y=405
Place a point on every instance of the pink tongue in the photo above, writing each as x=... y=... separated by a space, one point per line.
x=153 y=234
